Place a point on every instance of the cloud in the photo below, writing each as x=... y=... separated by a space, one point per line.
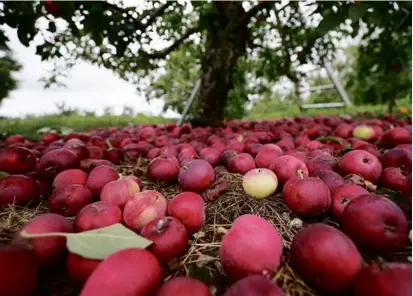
x=88 y=88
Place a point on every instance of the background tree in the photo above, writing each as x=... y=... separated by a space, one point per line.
x=234 y=39
x=7 y=66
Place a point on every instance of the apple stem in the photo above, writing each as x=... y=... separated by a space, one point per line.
x=109 y=143
x=25 y=234
x=162 y=224
x=300 y=174
x=96 y=208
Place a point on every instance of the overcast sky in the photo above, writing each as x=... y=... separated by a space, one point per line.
x=88 y=88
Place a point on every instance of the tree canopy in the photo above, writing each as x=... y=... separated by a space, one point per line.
x=8 y=65
x=164 y=47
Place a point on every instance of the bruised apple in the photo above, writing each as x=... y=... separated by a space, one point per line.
x=375 y=223
x=189 y=208
x=325 y=257
x=49 y=250
x=169 y=238
x=251 y=246
x=118 y=192
x=126 y=272
x=97 y=215
x=143 y=208
x=260 y=183
x=183 y=286
x=254 y=285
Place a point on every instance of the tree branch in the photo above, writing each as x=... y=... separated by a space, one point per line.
x=164 y=52
x=138 y=22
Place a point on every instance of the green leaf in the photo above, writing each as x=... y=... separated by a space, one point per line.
x=330 y=22
x=357 y=11
x=98 y=243
x=330 y=139
x=3 y=174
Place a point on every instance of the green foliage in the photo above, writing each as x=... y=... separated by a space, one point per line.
x=280 y=38
x=7 y=66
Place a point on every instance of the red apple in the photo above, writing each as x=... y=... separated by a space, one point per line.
x=69 y=177
x=56 y=161
x=254 y=285
x=407 y=187
x=164 y=169
x=386 y=279
x=375 y=223
x=196 y=176
x=99 y=177
x=97 y=215
x=87 y=165
x=241 y=163
x=118 y=192
x=326 y=258
x=17 y=160
x=362 y=163
x=342 y=195
x=169 y=237
x=288 y=167
x=140 y=274
x=18 y=272
x=95 y=152
x=251 y=246
x=330 y=178
x=210 y=154
x=188 y=207
x=398 y=157
x=18 y=189
x=265 y=158
x=70 y=200
x=307 y=197
x=80 y=268
x=183 y=286
x=396 y=136
x=114 y=155
x=143 y=208
x=392 y=178
x=49 y=250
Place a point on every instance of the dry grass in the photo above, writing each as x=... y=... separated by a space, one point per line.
x=202 y=259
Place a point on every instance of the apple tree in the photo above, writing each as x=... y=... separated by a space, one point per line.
x=233 y=42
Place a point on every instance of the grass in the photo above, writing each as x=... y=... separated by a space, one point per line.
x=279 y=111
x=30 y=126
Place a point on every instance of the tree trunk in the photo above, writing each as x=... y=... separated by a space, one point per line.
x=225 y=43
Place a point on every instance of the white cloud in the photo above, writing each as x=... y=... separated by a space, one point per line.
x=88 y=88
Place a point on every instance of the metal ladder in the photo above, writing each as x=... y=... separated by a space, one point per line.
x=345 y=100
x=336 y=84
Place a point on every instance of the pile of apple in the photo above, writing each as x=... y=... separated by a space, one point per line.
x=321 y=165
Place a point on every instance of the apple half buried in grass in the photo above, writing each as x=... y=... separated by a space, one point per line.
x=260 y=183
